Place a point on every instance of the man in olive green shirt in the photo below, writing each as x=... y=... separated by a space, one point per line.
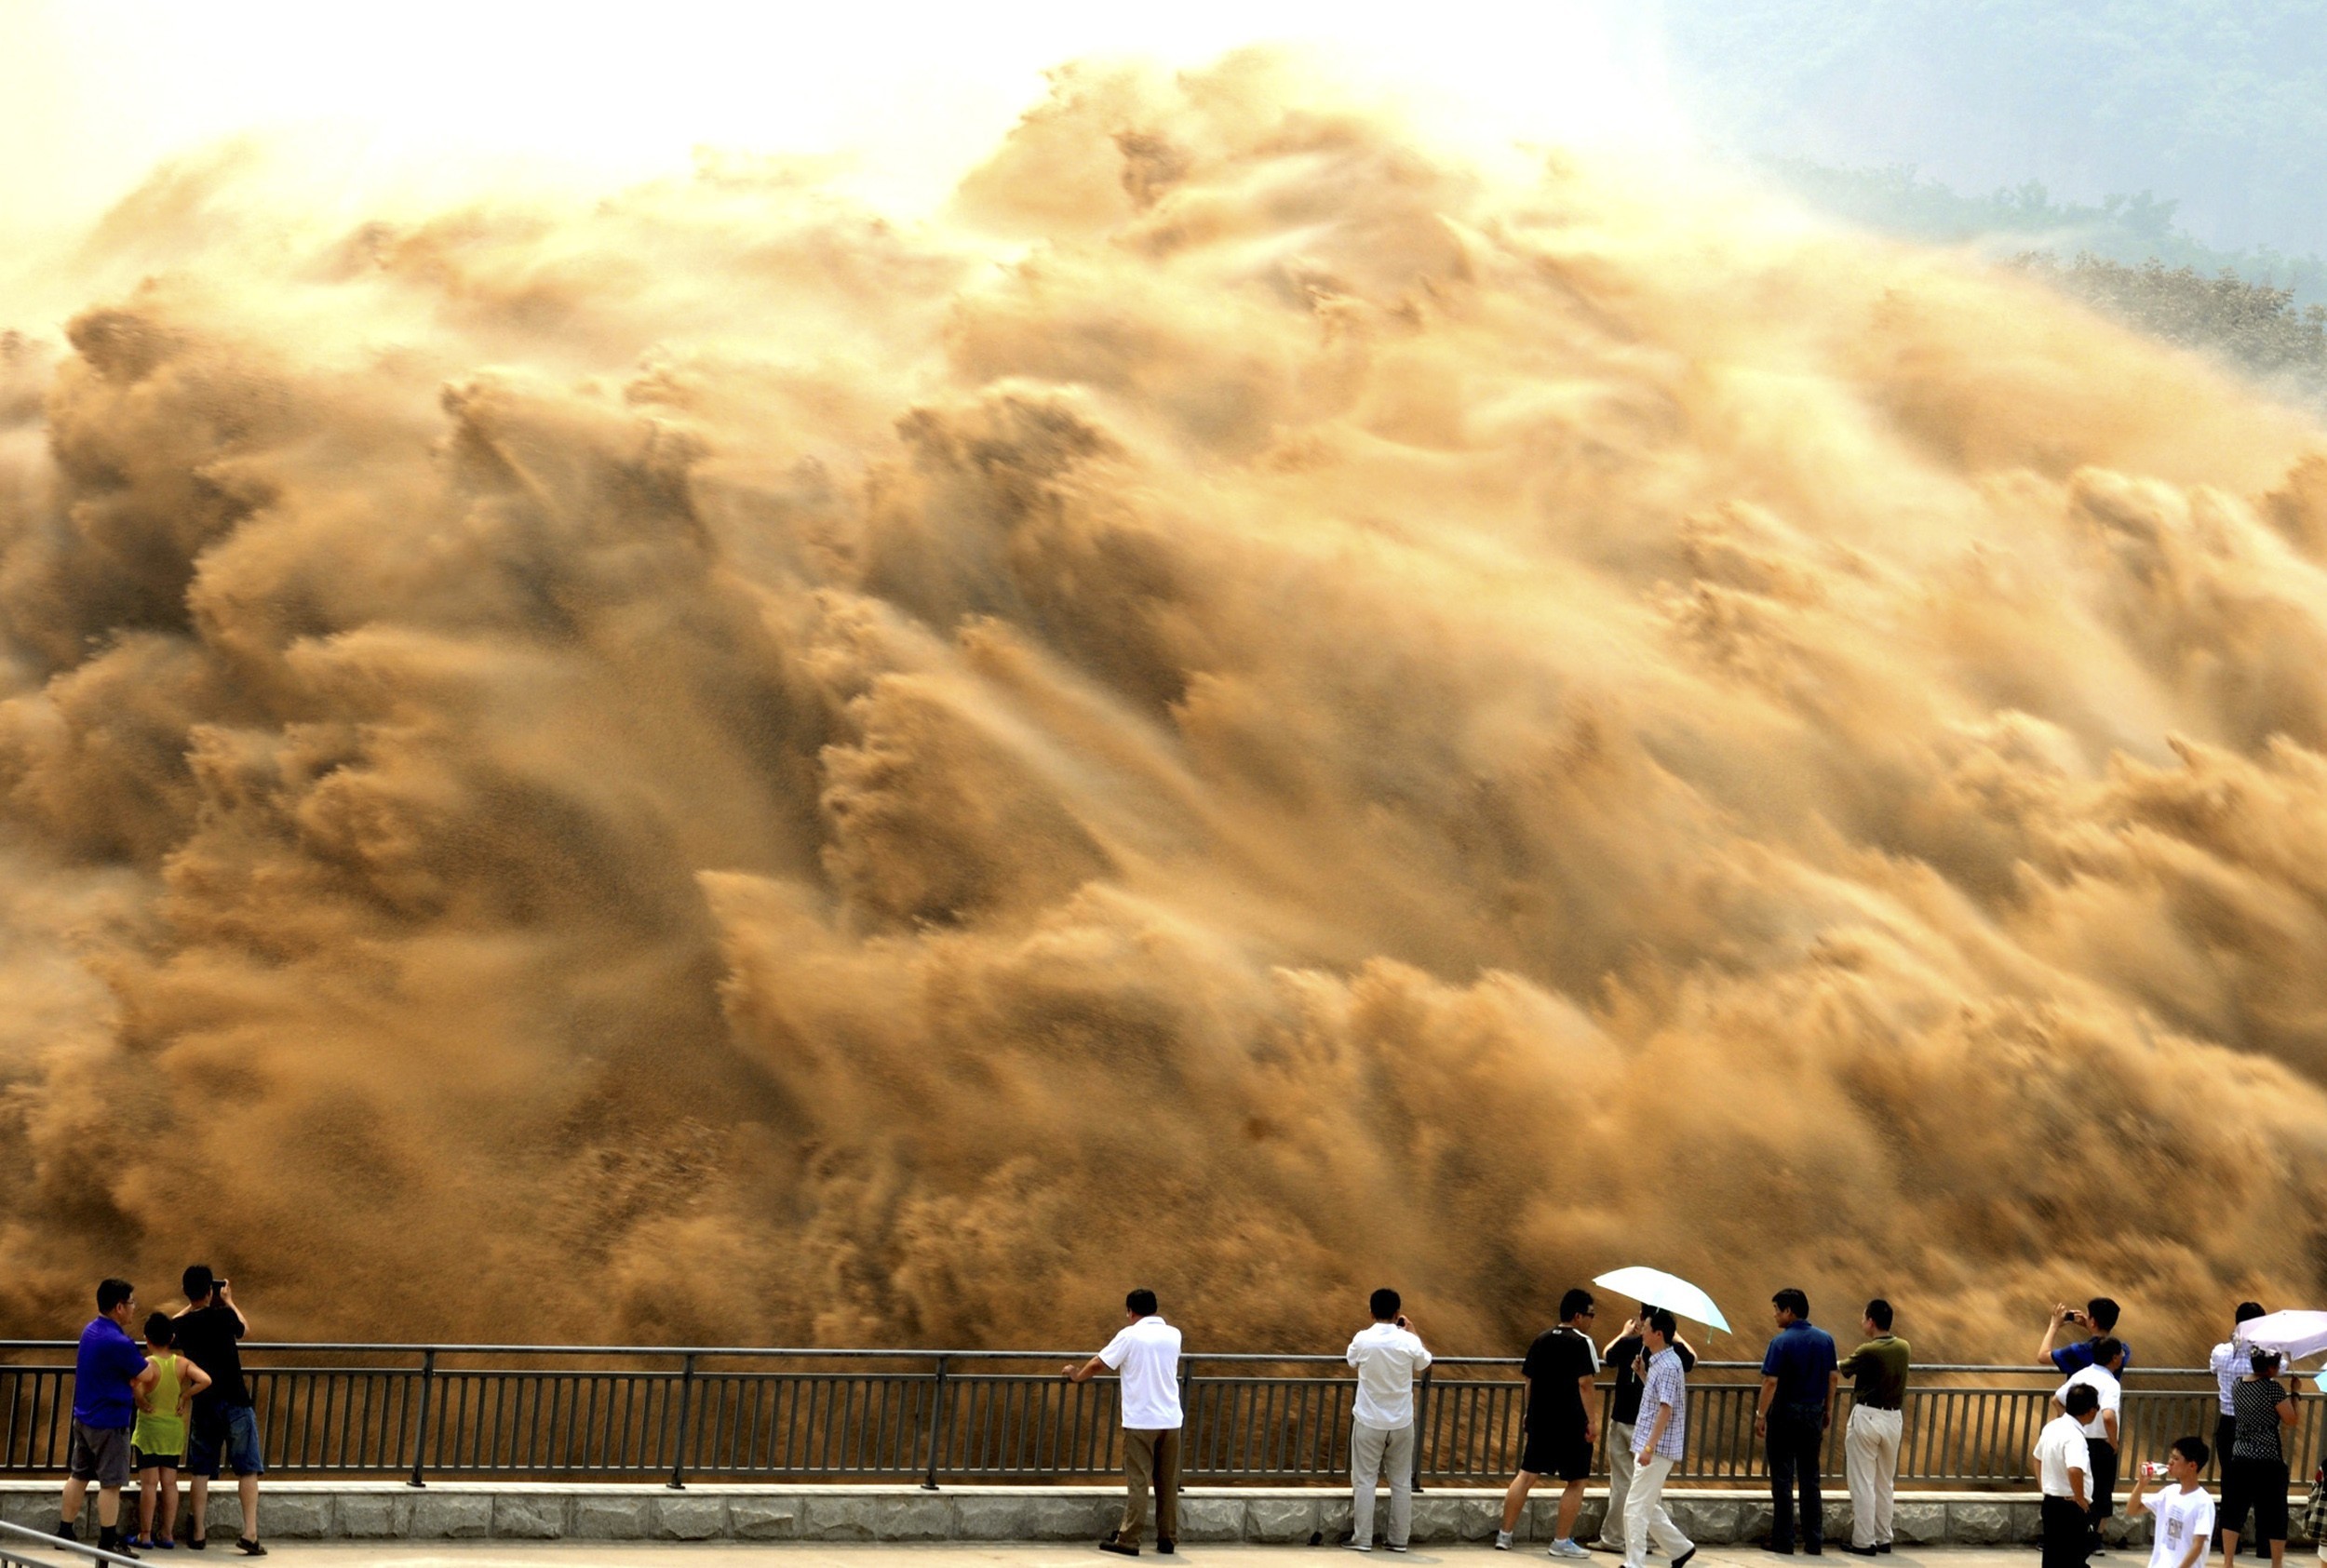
x=1870 y=1446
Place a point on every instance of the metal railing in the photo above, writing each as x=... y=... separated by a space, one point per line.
x=622 y=1412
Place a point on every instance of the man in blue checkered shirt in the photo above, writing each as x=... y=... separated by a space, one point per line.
x=1656 y=1445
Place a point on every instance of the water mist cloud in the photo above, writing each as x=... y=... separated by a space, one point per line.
x=1258 y=708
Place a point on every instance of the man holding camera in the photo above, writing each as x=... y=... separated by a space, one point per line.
x=2097 y=1322
x=224 y=1430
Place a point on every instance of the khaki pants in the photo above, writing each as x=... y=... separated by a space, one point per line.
x=1620 y=1469
x=1871 y=1452
x=1372 y=1449
x=1150 y=1458
x=1644 y=1515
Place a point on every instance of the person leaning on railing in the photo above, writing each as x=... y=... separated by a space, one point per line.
x=1145 y=1352
x=1878 y=1395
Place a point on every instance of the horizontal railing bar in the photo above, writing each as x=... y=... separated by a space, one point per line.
x=416 y=1348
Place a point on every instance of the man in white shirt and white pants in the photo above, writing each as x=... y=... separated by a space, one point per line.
x=1145 y=1355
x=1381 y=1428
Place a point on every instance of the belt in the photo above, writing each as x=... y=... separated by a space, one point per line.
x=1870 y=1404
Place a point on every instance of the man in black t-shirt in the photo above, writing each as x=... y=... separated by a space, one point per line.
x=225 y=1427
x=1563 y=1420
x=1627 y=1356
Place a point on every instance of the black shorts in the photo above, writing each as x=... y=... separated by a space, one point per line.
x=146 y=1461
x=1566 y=1453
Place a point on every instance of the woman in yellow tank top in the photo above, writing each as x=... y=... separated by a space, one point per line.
x=159 y=1438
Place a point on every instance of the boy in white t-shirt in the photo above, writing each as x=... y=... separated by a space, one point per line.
x=2184 y=1513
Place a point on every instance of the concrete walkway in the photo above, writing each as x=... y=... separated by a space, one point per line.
x=620 y=1554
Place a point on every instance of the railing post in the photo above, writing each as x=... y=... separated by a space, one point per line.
x=420 y=1437
x=686 y=1403
x=1421 y=1426
x=1187 y=1416
x=936 y=1426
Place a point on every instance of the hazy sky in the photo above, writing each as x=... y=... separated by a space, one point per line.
x=94 y=92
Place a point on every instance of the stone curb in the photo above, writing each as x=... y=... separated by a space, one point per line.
x=711 y=1511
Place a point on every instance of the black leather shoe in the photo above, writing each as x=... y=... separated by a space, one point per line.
x=1816 y=1548
x=1782 y=1551
x=1110 y=1544
x=1682 y=1560
x=1863 y=1551
x=1165 y=1548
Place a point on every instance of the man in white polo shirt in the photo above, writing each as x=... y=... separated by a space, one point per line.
x=1145 y=1356
x=1386 y=1355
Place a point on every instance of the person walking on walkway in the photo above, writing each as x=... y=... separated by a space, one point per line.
x=2255 y=1474
x=223 y=1430
x=1627 y=1356
x=1799 y=1379
x=1386 y=1355
x=1878 y=1395
x=158 y=1441
x=2229 y=1361
x=2183 y=1512
x=1562 y=1420
x=2063 y=1469
x=2084 y=1332
x=1659 y=1437
x=1145 y=1353
x=2100 y=1431
x=109 y=1374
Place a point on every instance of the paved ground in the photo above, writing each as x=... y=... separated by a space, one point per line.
x=618 y=1554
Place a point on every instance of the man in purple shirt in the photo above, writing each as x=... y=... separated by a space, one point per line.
x=108 y=1375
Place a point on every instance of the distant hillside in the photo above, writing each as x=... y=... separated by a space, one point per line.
x=2132 y=229
x=2255 y=328
x=2219 y=106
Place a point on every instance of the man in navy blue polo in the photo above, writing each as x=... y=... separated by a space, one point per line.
x=1799 y=1379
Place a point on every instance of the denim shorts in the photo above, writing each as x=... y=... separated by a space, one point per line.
x=227 y=1433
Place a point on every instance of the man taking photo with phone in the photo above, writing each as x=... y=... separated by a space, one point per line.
x=224 y=1430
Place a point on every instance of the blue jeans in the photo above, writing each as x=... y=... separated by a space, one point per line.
x=230 y=1432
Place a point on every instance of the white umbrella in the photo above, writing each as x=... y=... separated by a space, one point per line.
x=1669 y=1292
x=2295 y=1334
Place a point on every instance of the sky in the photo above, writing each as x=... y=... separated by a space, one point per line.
x=95 y=93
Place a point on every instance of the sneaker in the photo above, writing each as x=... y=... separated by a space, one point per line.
x=1396 y=1546
x=1357 y=1545
x=1567 y=1548
x=1502 y=1540
x=248 y=1548
x=1110 y=1544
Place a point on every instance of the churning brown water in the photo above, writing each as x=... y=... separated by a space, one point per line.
x=1256 y=710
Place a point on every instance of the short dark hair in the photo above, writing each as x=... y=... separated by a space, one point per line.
x=1793 y=1301
x=1878 y=1314
x=2081 y=1399
x=159 y=1330
x=1384 y=1305
x=113 y=1293
x=2264 y=1363
x=1575 y=1304
x=1141 y=1302
x=198 y=1281
x=2103 y=1311
x=2247 y=1312
x=2106 y=1349
x=1662 y=1321
x=2194 y=1450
